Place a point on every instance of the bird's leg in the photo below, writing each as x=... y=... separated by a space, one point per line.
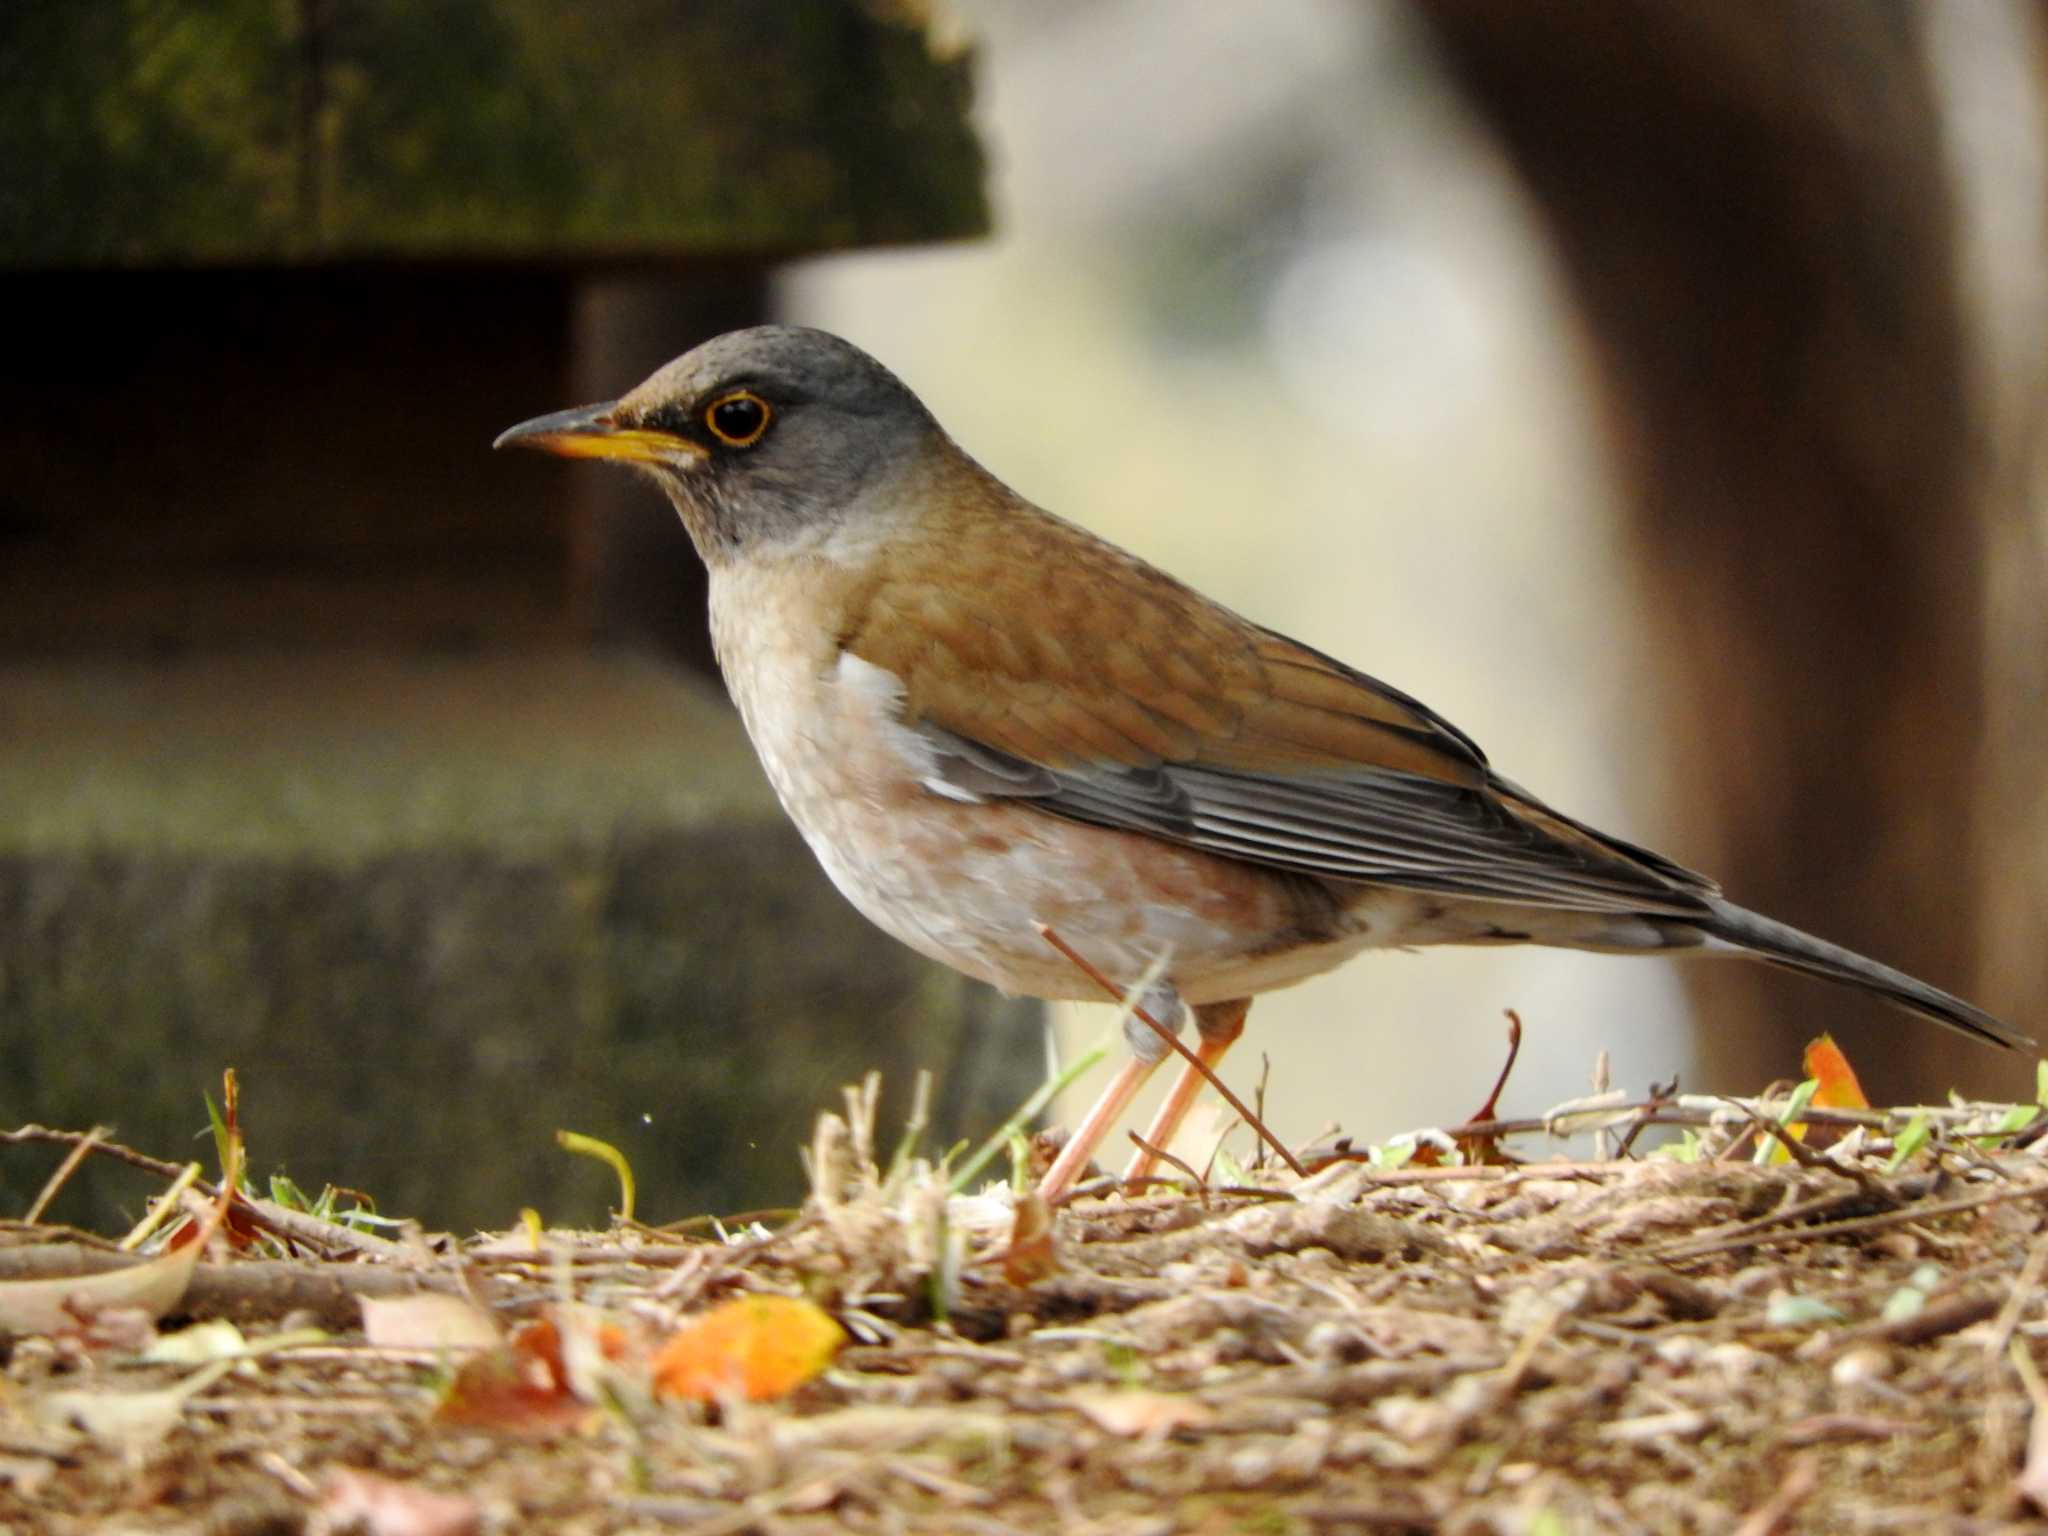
x=1219 y=1025
x=1160 y=1002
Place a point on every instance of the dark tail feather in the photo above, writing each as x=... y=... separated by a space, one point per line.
x=1798 y=951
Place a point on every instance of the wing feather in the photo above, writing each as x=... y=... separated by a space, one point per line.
x=1117 y=696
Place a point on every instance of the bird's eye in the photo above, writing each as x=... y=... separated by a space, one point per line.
x=739 y=419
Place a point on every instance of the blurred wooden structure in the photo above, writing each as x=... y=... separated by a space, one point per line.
x=280 y=272
x=1758 y=209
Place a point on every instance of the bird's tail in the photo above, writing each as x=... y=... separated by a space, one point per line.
x=1782 y=945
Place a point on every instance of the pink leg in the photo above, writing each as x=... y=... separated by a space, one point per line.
x=1219 y=1025
x=1107 y=1109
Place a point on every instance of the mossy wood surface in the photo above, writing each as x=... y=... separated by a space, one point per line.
x=432 y=911
x=243 y=132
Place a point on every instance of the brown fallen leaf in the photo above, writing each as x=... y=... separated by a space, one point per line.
x=1031 y=1255
x=1485 y=1148
x=521 y=1387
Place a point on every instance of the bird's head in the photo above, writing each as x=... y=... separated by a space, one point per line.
x=763 y=437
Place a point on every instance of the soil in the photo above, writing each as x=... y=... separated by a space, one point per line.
x=1659 y=1345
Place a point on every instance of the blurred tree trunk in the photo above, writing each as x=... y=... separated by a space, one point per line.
x=1754 y=204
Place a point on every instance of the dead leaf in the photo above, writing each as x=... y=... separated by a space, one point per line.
x=601 y=1362
x=755 y=1347
x=1485 y=1148
x=428 y=1320
x=151 y=1288
x=520 y=1387
x=131 y=1419
x=1400 y=1333
x=216 y=1339
x=514 y=1242
x=28 y=1476
x=376 y=1506
x=2032 y=1482
x=1031 y=1256
x=1142 y=1415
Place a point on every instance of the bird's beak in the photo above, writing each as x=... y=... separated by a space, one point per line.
x=596 y=432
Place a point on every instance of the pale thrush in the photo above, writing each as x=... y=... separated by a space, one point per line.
x=984 y=718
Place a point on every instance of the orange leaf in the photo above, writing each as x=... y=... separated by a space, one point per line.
x=1838 y=1086
x=756 y=1347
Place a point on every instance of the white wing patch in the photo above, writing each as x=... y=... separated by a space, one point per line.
x=878 y=693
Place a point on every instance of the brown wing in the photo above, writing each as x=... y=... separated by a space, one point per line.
x=1064 y=671
x=1063 y=650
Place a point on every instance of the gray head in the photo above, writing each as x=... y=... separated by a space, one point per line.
x=759 y=436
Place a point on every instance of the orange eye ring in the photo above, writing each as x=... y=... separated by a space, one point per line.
x=738 y=420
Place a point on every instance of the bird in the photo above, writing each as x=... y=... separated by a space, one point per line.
x=987 y=722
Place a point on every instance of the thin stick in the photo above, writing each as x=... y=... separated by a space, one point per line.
x=1806 y=1157
x=1463 y=1173
x=266 y=1214
x=1201 y=1184
x=2016 y=1303
x=1258 y=1126
x=90 y=1139
x=163 y=1205
x=1259 y=1104
x=1603 y=1079
x=1641 y=1123
x=913 y=1129
x=64 y=1171
x=1775 y=1513
x=1821 y=1231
